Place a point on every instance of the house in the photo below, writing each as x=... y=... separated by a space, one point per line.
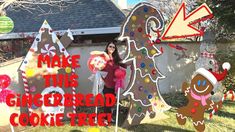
x=91 y=21
x=93 y=24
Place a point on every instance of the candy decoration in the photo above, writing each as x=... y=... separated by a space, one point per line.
x=140 y=88
x=223 y=98
x=153 y=51
x=68 y=69
x=133 y=18
x=142 y=65
x=145 y=9
x=132 y=34
x=158 y=41
x=29 y=72
x=6 y=24
x=154 y=71
x=147 y=80
x=97 y=61
x=146 y=91
x=26 y=87
x=48 y=50
x=32 y=89
x=144 y=101
x=74 y=98
x=144 y=52
x=140 y=29
x=150 y=96
x=139 y=109
x=5 y=81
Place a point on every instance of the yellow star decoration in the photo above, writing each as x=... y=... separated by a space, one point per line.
x=30 y=72
x=93 y=129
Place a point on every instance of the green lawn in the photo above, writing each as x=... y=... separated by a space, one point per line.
x=223 y=121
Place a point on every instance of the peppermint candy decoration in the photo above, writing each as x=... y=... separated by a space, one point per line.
x=48 y=50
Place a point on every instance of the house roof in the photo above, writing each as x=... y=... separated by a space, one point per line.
x=84 y=14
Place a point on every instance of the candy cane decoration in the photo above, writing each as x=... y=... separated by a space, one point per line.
x=223 y=98
x=26 y=86
x=74 y=92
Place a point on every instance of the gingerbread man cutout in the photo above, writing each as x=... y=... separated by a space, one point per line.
x=198 y=93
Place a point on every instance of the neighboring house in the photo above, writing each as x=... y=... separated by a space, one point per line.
x=91 y=21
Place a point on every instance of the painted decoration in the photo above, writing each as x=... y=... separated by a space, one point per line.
x=6 y=24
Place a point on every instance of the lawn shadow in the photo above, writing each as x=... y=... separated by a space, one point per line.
x=75 y=131
x=154 y=127
x=226 y=114
x=228 y=103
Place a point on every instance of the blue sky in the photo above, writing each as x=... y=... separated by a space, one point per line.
x=133 y=2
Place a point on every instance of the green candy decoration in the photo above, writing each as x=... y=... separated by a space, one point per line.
x=6 y=24
x=139 y=109
x=143 y=51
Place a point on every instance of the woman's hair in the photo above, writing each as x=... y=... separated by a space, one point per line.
x=115 y=54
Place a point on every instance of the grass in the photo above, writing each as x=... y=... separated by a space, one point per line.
x=224 y=120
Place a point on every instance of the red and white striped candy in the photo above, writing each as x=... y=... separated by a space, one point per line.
x=46 y=50
x=74 y=92
x=223 y=98
x=26 y=86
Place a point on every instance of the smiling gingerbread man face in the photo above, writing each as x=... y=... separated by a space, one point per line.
x=201 y=85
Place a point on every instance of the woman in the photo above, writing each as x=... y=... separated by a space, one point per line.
x=113 y=63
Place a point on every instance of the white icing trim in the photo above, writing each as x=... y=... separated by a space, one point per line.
x=198 y=122
x=212 y=103
x=186 y=91
x=70 y=35
x=181 y=116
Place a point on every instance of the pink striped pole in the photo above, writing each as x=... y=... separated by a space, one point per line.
x=74 y=92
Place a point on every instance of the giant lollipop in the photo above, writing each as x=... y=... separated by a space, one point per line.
x=97 y=61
